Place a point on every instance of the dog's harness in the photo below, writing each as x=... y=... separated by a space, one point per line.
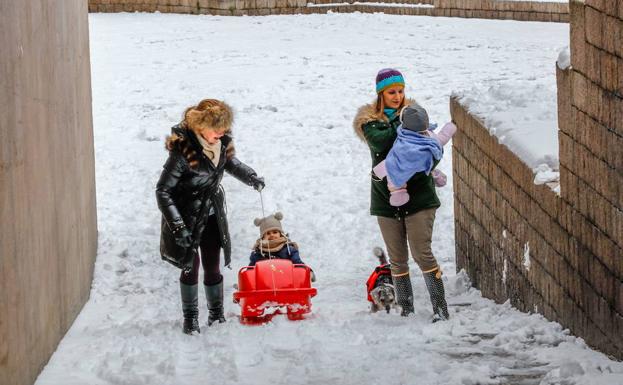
x=379 y=271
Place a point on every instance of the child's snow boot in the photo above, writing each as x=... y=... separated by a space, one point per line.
x=439 y=178
x=398 y=197
x=434 y=284
x=214 y=295
x=404 y=294
x=190 y=308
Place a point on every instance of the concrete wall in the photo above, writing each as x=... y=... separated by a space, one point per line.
x=484 y=9
x=48 y=235
x=575 y=240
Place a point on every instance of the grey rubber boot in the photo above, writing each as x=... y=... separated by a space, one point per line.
x=434 y=284
x=190 y=308
x=214 y=295
x=404 y=294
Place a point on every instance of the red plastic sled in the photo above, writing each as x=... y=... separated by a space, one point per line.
x=271 y=285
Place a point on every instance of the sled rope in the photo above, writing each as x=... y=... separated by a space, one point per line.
x=263 y=216
x=272 y=270
x=262 y=203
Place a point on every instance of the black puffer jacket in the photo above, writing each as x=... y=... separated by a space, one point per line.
x=189 y=187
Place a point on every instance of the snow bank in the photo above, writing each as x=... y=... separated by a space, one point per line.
x=523 y=117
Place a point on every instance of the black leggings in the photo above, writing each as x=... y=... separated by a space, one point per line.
x=210 y=248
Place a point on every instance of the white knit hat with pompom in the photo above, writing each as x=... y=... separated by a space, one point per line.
x=271 y=222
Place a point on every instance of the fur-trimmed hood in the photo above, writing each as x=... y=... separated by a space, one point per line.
x=185 y=141
x=367 y=113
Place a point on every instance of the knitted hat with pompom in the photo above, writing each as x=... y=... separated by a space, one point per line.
x=271 y=222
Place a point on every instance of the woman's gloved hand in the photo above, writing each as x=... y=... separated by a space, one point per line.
x=257 y=182
x=182 y=236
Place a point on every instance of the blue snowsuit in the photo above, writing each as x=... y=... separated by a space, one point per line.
x=283 y=253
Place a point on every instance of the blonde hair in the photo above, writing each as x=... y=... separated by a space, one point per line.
x=210 y=114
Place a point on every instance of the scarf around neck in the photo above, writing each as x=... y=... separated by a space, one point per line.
x=389 y=112
x=212 y=151
x=274 y=245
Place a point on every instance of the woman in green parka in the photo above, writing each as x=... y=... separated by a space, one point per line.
x=409 y=226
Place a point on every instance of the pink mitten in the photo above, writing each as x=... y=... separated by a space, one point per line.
x=398 y=197
x=439 y=178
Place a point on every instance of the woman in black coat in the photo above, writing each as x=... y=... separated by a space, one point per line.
x=192 y=202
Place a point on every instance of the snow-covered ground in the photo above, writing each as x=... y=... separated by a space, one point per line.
x=296 y=82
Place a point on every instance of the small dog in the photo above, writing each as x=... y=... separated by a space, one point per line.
x=381 y=292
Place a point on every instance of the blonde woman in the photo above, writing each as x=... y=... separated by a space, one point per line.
x=192 y=202
x=410 y=225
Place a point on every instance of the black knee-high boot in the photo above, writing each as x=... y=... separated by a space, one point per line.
x=404 y=294
x=434 y=284
x=214 y=295
x=190 y=308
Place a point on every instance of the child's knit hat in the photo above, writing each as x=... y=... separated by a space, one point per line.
x=414 y=118
x=388 y=77
x=271 y=222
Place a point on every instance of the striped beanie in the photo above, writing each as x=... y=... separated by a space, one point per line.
x=388 y=77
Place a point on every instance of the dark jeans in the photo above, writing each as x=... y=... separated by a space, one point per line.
x=210 y=249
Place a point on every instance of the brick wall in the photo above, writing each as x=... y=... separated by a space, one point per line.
x=484 y=9
x=575 y=240
x=481 y=9
x=48 y=233
x=511 y=10
x=212 y=7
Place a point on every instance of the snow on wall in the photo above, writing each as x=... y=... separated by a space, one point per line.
x=521 y=116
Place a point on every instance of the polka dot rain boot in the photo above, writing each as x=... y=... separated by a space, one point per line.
x=434 y=284
x=404 y=294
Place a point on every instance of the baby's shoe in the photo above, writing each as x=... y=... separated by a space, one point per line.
x=439 y=178
x=398 y=197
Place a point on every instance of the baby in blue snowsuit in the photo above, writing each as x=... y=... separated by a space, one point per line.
x=273 y=242
x=416 y=149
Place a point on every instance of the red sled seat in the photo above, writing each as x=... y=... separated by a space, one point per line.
x=271 y=285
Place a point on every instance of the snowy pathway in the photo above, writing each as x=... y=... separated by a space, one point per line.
x=296 y=82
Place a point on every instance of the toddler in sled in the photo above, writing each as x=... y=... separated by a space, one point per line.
x=416 y=149
x=274 y=242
